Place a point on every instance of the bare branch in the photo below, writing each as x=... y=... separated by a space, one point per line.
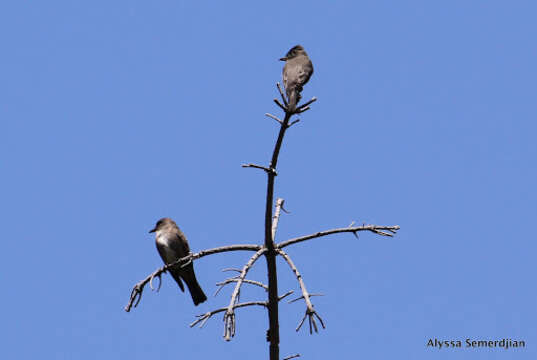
x=136 y=296
x=373 y=228
x=229 y=316
x=203 y=253
x=267 y=169
x=302 y=297
x=280 y=121
x=291 y=357
x=311 y=320
x=293 y=122
x=236 y=279
x=280 y=298
x=284 y=108
x=310 y=311
x=305 y=106
x=276 y=217
x=159 y=282
x=136 y=293
x=281 y=94
x=274 y=117
x=302 y=110
x=204 y=317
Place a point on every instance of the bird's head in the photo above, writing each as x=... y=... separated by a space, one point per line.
x=294 y=52
x=162 y=223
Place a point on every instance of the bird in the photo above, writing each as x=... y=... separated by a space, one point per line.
x=296 y=73
x=172 y=245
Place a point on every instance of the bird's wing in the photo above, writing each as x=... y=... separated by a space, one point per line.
x=180 y=244
x=304 y=72
x=168 y=257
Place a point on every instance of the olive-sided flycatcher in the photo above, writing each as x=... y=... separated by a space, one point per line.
x=172 y=245
x=296 y=73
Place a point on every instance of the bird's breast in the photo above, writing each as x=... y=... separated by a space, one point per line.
x=166 y=249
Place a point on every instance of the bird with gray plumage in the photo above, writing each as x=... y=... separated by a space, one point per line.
x=296 y=73
x=172 y=246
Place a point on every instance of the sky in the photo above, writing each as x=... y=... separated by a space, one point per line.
x=115 y=114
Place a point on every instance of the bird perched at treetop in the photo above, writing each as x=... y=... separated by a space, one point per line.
x=296 y=73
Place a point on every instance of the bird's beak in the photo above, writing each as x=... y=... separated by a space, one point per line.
x=153 y=230
x=283 y=59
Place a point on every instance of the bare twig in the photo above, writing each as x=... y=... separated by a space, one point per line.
x=373 y=228
x=236 y=279
x=159 y=282
x=293 y=122
x=136 y=293
x=302 y=297
x=310 y=311
x=305 y=106
x=204 y=317
x=313 y=99
x=229 y=316
x=291 y=357
x=274 y=117
x=276 y=217
x=203 y=253
x=267 y=169
x=280 y=298
x=284 y=108
x=281 y=94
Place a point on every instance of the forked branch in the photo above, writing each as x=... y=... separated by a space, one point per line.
x=236 y=279
x=310 y=311
x=380 y=230
x=202 y=319
x=137 y=290
x=229 y=316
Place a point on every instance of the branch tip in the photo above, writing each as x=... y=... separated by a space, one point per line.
x=293 y=122
x=274 y=117
x=284 y=108
x=159 y=282
x=281 y=94
x=285 y=295
x=291 y=357
x=380 y=230
x=269 y=170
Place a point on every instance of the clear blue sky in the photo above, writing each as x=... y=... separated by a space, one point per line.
x=114 y=114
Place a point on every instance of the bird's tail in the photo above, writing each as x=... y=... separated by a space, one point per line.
x=198 y=296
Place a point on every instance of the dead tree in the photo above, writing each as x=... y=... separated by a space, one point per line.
x=269 y=249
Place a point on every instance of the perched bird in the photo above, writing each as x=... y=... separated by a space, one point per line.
x=172 y=245
x=296 y=73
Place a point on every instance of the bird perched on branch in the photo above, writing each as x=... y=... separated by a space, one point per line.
x=296 y=73
x=172 y=246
